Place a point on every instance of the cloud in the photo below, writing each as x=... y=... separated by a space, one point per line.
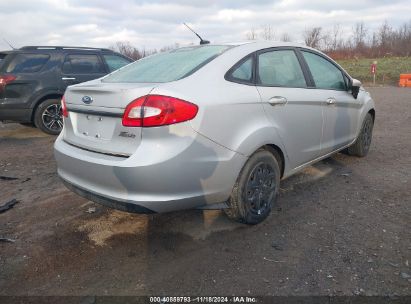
x=153 y=24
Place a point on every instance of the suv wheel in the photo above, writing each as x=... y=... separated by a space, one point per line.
x=49 y=117
x=256 y=189
x=362 y=144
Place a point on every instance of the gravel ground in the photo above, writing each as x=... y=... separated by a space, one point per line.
x=341 y=227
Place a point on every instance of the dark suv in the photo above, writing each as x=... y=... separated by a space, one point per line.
x=33 y=80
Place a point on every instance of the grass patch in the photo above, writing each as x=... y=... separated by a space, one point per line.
x=388 y=69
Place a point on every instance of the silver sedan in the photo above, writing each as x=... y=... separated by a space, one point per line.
x=210 y=126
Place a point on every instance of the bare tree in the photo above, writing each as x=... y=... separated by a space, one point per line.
x=336 y=40
x=268 y=33
x=326 y=41
x=385 y=34
x=359 y=35
x=125 y=48
x=312 y=37
x=285 y=37
x=252 y=34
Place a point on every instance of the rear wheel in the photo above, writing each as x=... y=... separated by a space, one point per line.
x=49 y=117
x=256 y=189
x=362 y=144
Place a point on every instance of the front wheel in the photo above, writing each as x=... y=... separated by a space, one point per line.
x=256 y=189
x=49 y=117
x=362 y=145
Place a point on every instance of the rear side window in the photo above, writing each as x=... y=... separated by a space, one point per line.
x=244 y=72
x=27 y=63
x=169 y=66
x=280 y=68
x=326 y=75
x=115 y=62
x=83 y=64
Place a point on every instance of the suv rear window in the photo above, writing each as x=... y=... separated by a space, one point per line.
x=26 y=63
x=115 y=62
x=169 y=66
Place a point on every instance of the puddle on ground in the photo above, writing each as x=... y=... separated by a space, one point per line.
x=196 y=224
x=313 y=173
x=99 y=230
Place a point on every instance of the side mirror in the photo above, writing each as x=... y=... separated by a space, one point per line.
x=355 y=87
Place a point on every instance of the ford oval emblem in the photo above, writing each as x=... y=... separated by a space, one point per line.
x=87 y=99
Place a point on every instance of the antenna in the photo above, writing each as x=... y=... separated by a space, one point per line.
x=9 y=44
x=202 y=41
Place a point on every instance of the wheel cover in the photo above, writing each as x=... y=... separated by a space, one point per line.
x=52 y=118
x=260 y=188
x=367 y=134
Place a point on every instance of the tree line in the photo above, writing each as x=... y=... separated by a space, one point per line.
x=359 y=42
x=127 y=49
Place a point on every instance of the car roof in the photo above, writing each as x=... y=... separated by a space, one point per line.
x=262 y=43
x=62 y=48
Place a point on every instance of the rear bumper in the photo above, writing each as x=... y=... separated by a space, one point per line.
x=161 y=176
x=124 y=206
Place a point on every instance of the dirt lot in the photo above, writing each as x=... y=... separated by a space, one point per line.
x=341 y=227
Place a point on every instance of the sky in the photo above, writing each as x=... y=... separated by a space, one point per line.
x=158 y=23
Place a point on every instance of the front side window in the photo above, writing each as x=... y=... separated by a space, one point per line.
x=115 y=62
x=280 y=68
x=168 y=66
x=325 y=74
x=83 y=64
x=27 y=63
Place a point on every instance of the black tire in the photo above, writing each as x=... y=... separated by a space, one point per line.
x=48 y=117
x=256 y=189
x=361 y=146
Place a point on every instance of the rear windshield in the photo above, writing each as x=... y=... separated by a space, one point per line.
x=167 y=66
x=25 y=63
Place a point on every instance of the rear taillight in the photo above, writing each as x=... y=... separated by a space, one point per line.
x=5 y=80
x=158 y=110
x=64 y=107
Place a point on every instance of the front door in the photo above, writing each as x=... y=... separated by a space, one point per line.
x=340 y=108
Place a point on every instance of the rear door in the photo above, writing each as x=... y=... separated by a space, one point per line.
x=290 y=104
x=81 y=67
x=340 y=108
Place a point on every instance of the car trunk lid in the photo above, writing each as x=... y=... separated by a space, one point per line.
x=95 y=117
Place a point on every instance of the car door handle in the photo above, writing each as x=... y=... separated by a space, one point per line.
x=277 y=100
x=330 y=101
x=68 y=78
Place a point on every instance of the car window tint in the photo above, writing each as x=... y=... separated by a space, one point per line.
x=83 y=64
x=244 y=72
x=325 y=74
x=167 y=66
x=27 y=63
x=115 y=62
x=280 y=68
